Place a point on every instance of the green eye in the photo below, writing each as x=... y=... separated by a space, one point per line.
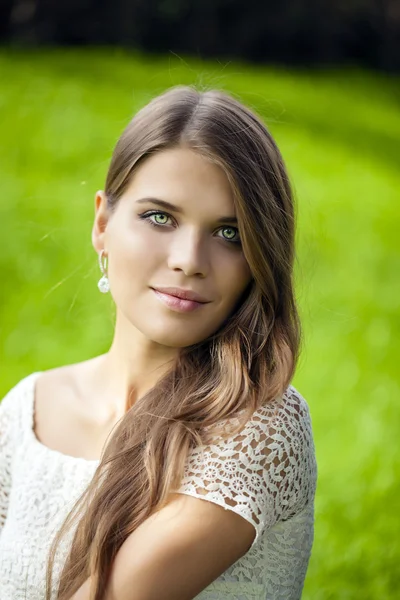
x=160 y=218
x=230 y=233
x=156 y=218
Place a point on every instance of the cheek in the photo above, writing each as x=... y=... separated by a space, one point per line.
x=133 y=250
x=234 y=279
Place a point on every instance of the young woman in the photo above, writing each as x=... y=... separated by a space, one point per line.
x=179 y=464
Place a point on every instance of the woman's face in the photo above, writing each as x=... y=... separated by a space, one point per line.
x=192 y=245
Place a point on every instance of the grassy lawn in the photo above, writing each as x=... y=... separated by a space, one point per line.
x=61 y=113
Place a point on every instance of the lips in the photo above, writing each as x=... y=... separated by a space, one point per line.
x=177 y=303
x=182 y=293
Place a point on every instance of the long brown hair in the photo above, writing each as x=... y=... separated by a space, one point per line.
x=248 y=362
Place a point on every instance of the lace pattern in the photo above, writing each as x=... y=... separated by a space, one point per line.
x=267 y=474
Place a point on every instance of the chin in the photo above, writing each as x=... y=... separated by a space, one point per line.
x=174 y=339
x=173 y=332
x=174 y=335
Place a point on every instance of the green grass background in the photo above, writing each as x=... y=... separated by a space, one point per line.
x=339 y=131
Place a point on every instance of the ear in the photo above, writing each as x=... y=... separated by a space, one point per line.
x=102 y=215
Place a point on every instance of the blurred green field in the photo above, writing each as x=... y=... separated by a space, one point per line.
x=61 y=113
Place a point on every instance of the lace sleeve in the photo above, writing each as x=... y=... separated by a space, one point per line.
x=266 y=473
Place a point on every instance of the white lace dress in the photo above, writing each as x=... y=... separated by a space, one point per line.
x=267 y=474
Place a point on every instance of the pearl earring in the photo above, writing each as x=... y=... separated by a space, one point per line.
x=103 y=284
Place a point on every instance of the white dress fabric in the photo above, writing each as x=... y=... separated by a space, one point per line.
x=267 y=474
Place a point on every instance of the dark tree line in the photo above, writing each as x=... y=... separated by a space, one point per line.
x=296 y=32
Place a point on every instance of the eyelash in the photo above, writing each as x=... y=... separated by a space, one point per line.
x=146 y=217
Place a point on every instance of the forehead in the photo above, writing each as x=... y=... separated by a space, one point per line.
x=182 y=176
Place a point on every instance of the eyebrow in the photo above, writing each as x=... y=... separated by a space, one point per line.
x=169 y=206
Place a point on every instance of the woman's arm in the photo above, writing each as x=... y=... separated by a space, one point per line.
x=177 y=552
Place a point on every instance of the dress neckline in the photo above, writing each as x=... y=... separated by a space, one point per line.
x=38 y=444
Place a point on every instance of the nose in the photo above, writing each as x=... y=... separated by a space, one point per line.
x=188 y=253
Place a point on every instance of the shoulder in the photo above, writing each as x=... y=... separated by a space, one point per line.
x=289 y=417
x=266 y=472
x=273 y=453
x=65 y=376
x=286 y=426
x=289 y=450
x=286 y=452
x=60 y=400
x=65 y=383
x=39 y=388
x=18 y=393
x=283 y=423
x=60 y=379
x=296 y=406
x=280 y=429
x=289 y=409
x=15 y=408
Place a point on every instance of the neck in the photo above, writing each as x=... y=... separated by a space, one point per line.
x=133 y=364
